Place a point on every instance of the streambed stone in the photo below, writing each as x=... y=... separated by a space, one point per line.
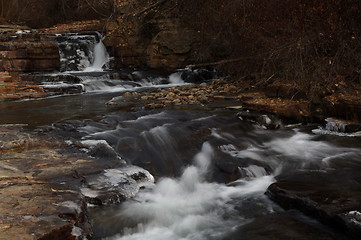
x=333 y=197
x=113 y=186
x=40 y=187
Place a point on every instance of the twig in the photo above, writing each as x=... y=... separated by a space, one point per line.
x=217 y=63
x=265 y=81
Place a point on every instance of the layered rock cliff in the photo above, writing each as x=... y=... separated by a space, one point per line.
x=142 y=35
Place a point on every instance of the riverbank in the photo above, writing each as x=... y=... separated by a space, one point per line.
x=278 y=97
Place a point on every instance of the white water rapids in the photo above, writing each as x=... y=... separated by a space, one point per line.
x=189 y=207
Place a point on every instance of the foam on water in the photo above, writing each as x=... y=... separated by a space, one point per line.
x=176 y=78
x=189 y=207
x=301 y=150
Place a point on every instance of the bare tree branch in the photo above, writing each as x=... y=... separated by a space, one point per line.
x=150 y=7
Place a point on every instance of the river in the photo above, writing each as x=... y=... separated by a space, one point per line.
x=211 y=169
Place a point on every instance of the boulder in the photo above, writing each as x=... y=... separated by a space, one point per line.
x=115 y=185
x=332 y=197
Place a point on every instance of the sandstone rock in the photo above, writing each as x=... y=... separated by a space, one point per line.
x=34 y=203
x=156 y=41
x=35 y=53
x=77 y=27
x=144 y=98
x=127 y=95
x=13 y=88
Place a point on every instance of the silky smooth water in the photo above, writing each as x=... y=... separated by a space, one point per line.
x=211 y=168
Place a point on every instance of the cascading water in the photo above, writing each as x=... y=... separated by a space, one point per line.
x=76 y=50
x=101 y=58
x=190 y=207
x=84 y=68
x=82 y=52
x=220 y=194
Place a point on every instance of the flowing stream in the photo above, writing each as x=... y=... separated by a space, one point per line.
x=211 y=168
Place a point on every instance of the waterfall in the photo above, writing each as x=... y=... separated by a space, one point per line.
x=101 y=58
x=82 y=52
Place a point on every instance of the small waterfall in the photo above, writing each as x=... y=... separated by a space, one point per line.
x=82 y=52
x=101 y=58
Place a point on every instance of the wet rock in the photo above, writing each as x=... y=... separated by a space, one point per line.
x=293 y=110
x=115 y=185
x=51 y=78
x=100 y=149
x=62 y=88
x=332 y=197
x=267 y=121
x=294 y=226
x=198 y=75
x=38 y=193
x=339 y=125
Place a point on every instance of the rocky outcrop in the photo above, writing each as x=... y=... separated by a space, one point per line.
x=154 y=39
x=40 y=186
x=12 y=87
x=77 y=27
x=38 y=194
x=25 y=51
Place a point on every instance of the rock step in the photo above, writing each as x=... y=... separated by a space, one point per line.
x=78 y=26
x=13 y=88
x=36 y=55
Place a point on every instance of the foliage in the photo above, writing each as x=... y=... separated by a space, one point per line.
x=44 y=13
x=309 y=42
